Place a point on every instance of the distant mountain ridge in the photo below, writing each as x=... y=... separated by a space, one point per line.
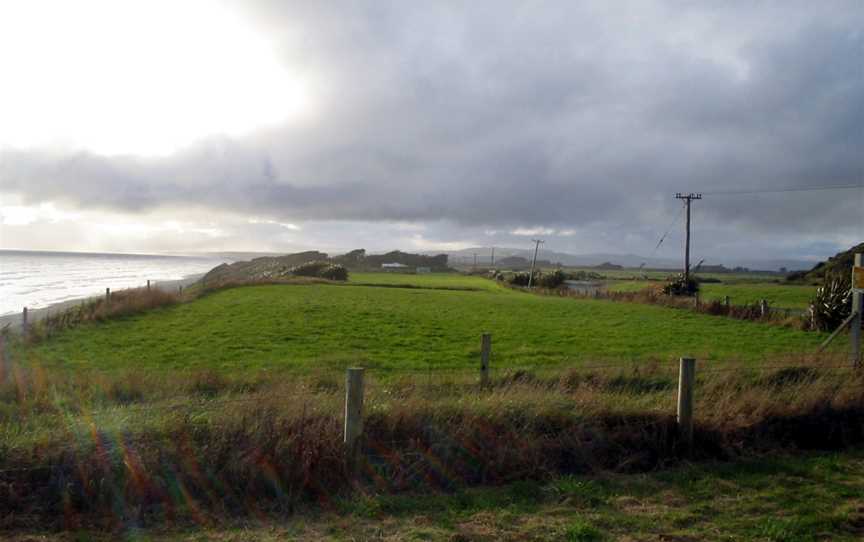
x=466 y=256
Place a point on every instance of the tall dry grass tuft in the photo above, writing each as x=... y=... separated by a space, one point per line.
x=122 y=303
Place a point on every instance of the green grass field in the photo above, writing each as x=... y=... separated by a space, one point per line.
x=431 y=280
x=634 y=274
x=786 y=296
x=333 y=326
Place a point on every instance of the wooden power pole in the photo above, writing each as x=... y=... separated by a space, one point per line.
x=687 y=199
x=537 y=243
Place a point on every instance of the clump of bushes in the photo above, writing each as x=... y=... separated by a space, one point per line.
x=681 y=285
x=320 y=269
x=552 y=280
x=542 y=280
x=521 y=278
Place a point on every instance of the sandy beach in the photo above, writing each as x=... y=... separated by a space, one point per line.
x=34 y=315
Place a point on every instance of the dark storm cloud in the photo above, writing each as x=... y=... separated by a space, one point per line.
x=504 y=115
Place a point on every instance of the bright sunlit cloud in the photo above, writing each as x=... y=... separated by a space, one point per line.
x=23 y=215
x=144 y=78
x=286 y=225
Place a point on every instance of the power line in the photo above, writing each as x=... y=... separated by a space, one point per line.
x=668 y=230
x=780 y=190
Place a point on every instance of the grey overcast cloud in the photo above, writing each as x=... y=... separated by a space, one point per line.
x=165 y=126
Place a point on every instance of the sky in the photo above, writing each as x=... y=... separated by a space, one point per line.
x=273 y=125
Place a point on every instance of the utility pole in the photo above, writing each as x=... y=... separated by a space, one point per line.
x=687 y=199
x=493 y=258
x=857 y=309
x=537 y=243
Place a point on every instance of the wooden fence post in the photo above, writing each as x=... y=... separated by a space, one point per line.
x=148 y=285
x=763 y=308
x=855 y=330
x=485 y=353
x=353 y=415
x=108 y=297
x=25 y=325
x=686 y=380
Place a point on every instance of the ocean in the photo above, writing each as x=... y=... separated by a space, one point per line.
x=39 y=279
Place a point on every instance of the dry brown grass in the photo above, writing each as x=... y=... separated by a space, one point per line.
x=122 y=303
x=101 y=448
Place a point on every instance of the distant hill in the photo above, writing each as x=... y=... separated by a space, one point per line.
x=838 y=265
x=266 y=267
x=518 y=262
x=632 y=261
x=437 y=262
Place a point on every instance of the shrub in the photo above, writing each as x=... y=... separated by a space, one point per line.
x=335 y=272
x=552 y=280
x=308 y=269
x=680 y=285
x=521 y=278
x=320 y=269
x=543 y=280
x=831 y=305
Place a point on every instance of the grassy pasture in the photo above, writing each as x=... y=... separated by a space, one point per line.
x=322 y=326
x=431 y=280
x=634 y=274
x=787 y=296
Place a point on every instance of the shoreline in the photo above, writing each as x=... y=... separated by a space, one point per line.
x=35 y=315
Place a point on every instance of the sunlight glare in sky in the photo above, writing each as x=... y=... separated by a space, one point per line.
x=143 y=78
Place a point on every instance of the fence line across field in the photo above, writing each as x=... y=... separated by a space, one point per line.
x=353 y=419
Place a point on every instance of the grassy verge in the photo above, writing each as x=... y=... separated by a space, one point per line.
x=789 y=499
x=149 y=450
x=813 y=497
